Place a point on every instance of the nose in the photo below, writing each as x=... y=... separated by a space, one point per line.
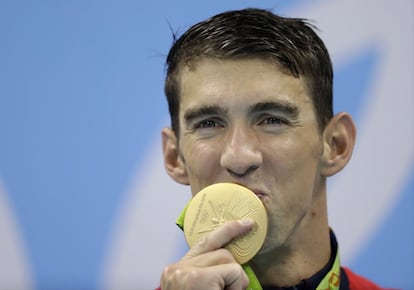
x=241 y=155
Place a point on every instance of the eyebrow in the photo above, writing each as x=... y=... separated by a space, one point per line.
x=285 y=107
x=194 y=113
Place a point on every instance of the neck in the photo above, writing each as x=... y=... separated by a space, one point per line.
x=305 y=252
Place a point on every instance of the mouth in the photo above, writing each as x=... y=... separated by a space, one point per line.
x=260 y=195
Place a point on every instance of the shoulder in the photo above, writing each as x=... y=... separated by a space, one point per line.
x=358 y=282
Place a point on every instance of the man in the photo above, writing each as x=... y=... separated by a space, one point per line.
x=250 y=99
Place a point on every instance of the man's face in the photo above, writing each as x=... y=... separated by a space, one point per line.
x=247 y=122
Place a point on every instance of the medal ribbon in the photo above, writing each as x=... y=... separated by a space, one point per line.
x=330 y=282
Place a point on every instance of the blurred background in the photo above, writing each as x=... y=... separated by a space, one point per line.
x=84 y=199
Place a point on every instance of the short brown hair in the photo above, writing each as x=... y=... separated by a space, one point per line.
x=292 y=43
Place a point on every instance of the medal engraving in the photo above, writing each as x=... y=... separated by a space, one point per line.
x=219 y=203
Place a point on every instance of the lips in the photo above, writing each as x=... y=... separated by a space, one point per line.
x=259 y=193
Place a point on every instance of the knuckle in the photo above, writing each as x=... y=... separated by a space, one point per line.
x=193 y=276
x=174 y=275
x=171 y=273
x=201 y=243
x=167 y=271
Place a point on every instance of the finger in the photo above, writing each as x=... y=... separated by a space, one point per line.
x=220 y=237
x=216 y=257
x=225 y=276
x=232 y=277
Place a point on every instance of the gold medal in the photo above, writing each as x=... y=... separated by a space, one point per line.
x=223 y=202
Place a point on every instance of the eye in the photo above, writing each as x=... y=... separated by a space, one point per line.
x=209 y=123
x=273 y=120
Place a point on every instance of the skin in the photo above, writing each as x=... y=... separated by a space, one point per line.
x=248 y=122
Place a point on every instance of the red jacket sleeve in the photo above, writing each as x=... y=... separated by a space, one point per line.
x=357 y=282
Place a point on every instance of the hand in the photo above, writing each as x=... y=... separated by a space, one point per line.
x=207 y=265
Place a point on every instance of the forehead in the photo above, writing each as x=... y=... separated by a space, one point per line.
x=240 y=81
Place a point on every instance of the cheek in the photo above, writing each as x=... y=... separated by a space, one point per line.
x=297 y=155
x=202 y=163
x=295 y=170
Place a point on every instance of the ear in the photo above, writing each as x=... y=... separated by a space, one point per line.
x=173 y=160
x=338 y=144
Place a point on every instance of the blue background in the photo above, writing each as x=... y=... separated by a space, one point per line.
x=81 y=99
